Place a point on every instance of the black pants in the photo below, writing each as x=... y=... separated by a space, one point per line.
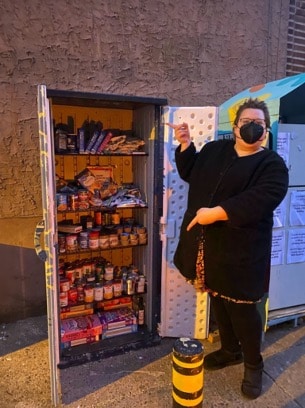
x=240 y=328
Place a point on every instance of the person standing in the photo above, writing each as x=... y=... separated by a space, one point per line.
x=226 y=235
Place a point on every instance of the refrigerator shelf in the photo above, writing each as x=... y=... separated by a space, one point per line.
x=135 y=154
x=98 y=250
x=103 y=209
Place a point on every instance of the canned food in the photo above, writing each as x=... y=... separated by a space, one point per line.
x=73 y=201
x=78 y=271
x=99 y=270
x=115 y=218
x=61 y=243
x=117 y=272
x=104 y=241
x=90 y=278
x=109 y=270
x=113 y=240
x=87 y=268
x=64 y=285
x=98 y=292
x=72 y=294
x=80 y=293
x=88 y=294
x=130 y=286
x=62 y=202
x=141 y=284
x=89 y=222
x=83 y=240
x=117 y=288
x=70 y=274
x=107 y=219
x=71 y=143
x=98 y=218
x=71 y=242
x=93 y=240
x=63 y=299
x=83 y=200
x=108 y=291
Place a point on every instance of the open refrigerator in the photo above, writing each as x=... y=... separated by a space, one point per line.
x=108 y=180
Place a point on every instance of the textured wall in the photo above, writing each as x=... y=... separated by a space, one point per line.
x=196 y=52
x=193 y=53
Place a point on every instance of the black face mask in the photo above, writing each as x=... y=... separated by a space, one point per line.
x=251 y=132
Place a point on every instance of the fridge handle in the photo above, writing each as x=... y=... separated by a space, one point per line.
x=41 y=253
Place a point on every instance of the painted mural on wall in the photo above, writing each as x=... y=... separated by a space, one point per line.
x=270 y=92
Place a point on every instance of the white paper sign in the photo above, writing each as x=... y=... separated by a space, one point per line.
x=297 y=208
x=279 y=214
x=278 y=245
x=296 y=246
x=283 y=146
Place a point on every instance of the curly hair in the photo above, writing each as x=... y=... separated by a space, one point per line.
x=253 y=104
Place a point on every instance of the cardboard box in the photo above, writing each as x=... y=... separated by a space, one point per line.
x=116 y=303
x=75 y=313
x=80 y=327
x=95 y=177
x=119 y=318
x=133 y=328
x=84 y=340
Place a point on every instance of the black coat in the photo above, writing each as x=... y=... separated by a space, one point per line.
x=236 y=252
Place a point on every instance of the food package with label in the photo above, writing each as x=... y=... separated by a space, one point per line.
x=117 y=303
x=107 y=334
x=98 y=178
x=80 y=328
x=78 y=342
x=115 y=319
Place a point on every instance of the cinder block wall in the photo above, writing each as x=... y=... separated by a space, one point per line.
x=199 y=52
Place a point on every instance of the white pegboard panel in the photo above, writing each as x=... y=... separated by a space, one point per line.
x=184 y=312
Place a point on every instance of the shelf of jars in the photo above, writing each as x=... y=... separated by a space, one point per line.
x=99 y=300
x=99 y=225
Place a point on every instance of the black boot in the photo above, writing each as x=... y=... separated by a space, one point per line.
x=253 y=380
x=222 y=358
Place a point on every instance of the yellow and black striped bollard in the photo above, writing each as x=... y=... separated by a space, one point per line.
x=188 y=376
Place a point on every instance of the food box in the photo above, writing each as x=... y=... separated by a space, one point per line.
x=121 y=330
x=78 y=342
x=75 y=313
x=117 y=303
x=70 y=229
x=76 y=307
x=74 y=310
x=114 y=319
x=95 y=177
x=80 y=327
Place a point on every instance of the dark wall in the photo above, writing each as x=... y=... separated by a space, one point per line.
x=23 y=284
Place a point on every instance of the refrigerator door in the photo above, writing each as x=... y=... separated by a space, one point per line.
x=184 y=312
x=50 y=240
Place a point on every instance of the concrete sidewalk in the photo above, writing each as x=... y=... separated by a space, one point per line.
x=142 y=378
